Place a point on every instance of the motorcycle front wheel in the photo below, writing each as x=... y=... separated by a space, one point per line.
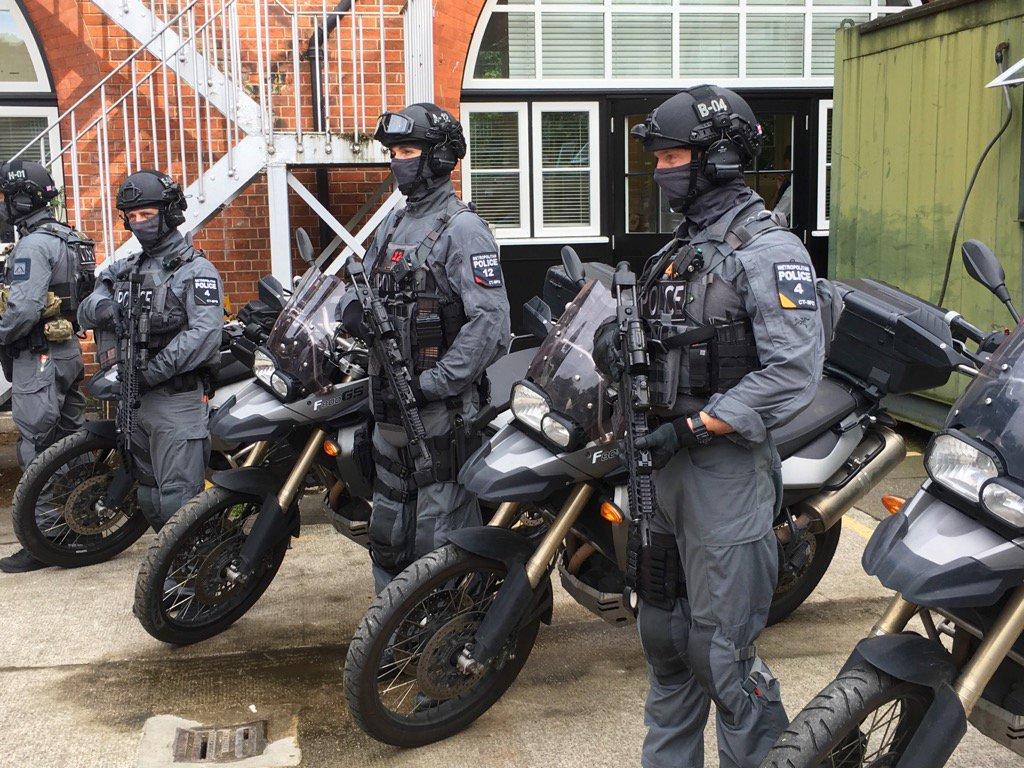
x=57 y=511
x=402 y=681
x=862 y=719
x=182 y=593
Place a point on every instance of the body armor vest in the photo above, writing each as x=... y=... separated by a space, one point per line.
x=167 y=313
x=74 y=274
x=426 y=313
x=703 y=339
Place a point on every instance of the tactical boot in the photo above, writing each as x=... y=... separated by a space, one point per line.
x=21 y=562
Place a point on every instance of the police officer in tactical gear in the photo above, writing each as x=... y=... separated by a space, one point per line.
x=434 y=263
x=47 y=273
x=183 y=291
x=737 y=350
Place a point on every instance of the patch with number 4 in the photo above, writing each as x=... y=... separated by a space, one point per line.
x=206 y=292
x=795 y=283
x=486 y=269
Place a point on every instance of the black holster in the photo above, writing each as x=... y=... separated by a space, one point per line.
x=660 y=574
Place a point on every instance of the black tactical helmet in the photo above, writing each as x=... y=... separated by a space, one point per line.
x=715 y=122
x=430 y=127
x=27 y=187
x=153 y=189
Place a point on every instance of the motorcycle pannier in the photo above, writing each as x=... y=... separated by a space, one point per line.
x=891 y=340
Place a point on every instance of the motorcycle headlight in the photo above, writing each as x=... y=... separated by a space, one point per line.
x=959 y=466
x=557 y=432
x=1004 y=502
x=529 y=405
x=279 y=385
x=263 y=367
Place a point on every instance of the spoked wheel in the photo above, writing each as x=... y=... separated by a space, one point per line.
x=797 y=583
x=58 y=510
x=183 y=593
x=863 y=719
x=402 y=680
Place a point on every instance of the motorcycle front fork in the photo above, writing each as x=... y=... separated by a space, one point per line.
x=982 y=665
x=540 y=562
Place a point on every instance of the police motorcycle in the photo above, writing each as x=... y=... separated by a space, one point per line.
x=954 y=555
x=450 y=634
x=307 y=419
x=57 y=509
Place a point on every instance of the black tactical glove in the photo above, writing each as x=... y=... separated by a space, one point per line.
x=352 y=320
x=607 y=352
x=670 y=437
x=421 y=398
x=106 y=315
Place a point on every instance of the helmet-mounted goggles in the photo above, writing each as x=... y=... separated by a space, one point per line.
x=392 y=126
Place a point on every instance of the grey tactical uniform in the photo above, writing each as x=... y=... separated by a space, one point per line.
x=719 y=501
x=172 y=441
x=407 y=523
x=46 y=403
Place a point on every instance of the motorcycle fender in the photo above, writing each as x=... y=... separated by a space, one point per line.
x=506 y=547
x=105 y=428
x=252 y=481
x=924 y=662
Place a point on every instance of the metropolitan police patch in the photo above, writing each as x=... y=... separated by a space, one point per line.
x=206 y=292
x=486 y=269
x=21 y=270
x=795 y=283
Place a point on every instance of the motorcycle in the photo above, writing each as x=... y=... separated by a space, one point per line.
x=953 y=555
x=307 y=421
x=56 y=509
x=448 y=636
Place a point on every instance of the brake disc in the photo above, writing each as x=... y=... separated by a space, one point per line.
x=437 y=673
x=212 y=584
x=82 y=511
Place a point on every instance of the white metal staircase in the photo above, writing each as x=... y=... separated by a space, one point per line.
x=219 y=92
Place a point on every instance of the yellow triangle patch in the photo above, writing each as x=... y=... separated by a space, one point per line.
x=786 y=303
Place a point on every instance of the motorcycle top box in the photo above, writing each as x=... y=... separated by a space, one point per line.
x=891 y=340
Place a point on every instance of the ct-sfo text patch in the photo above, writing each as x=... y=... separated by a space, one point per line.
x=206 y=292
x=795 y=283
x=486 y=269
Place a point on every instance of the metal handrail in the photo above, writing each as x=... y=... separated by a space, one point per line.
x=102 y=83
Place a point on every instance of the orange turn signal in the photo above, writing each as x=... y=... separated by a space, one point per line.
x=611 y=513
x=893 y=504
x=331 y=448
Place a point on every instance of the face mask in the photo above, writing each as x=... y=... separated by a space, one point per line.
x=147 y=232
x=407 y=174
x=675 y=182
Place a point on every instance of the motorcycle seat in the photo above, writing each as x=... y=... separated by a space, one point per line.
x=832 y=403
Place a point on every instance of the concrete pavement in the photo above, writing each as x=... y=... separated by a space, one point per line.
x=79 y=678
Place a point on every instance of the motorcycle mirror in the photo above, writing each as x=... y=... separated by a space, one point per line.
x=304 y=245
x=984 y=267
x=537 y=317
x=573 y=265
x=271 y=292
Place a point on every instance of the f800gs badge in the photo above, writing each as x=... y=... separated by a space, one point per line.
x=344 y=397
x=604 y=454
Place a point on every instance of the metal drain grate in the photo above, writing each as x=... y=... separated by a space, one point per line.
x=220 y=744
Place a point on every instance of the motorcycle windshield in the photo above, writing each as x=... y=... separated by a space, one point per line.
x=563 y=367
x=300 y=341
x=990 y=407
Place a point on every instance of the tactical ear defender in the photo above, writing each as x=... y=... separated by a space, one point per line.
x=451 y=147
x=725 y=158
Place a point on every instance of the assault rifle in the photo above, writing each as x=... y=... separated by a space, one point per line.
x=635 y=401
x=132 y=356
x=396 y=371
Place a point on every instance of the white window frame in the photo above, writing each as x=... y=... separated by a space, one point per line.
x=519 y=108
x=824 y=162
x=50 y=113
x=678 y=9
x=42 y=81
x=594 y=226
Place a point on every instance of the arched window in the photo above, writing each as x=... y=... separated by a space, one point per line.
x=28 y=103
x=652 y=43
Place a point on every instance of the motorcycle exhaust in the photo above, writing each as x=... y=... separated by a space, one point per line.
x=875 y=456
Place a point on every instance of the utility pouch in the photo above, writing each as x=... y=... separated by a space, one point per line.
x=52 y=307
x=695 y=378
x=659 y=578
x=5 y=295
x=59 y=330
x=664 y=378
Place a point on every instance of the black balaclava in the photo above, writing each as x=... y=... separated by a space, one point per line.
x=149 y=232
x=714 y=203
